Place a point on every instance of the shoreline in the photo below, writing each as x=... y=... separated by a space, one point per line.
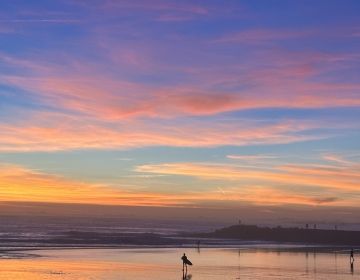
x=271 y=247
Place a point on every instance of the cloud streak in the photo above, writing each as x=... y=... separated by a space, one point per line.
x=109 y=99
x=251 y=157
x=18 y=183
x=60 y=132
x=332 y=179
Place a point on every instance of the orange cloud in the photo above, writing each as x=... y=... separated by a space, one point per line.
x=261 y=195
x=342 y=181
x=21 y=184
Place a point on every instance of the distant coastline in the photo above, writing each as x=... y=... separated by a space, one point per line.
x=237 y=236
x=286 y=235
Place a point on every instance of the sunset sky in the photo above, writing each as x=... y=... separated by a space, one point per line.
x=203 y=104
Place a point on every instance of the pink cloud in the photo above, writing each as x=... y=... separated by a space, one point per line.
x=108 y=99
x=279 y=82
x=337 y=159
x=98 y=109
x=55 y=131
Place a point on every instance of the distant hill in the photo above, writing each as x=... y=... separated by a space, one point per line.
x=280 y=234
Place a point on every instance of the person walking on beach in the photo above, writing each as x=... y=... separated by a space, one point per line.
x=186 y=262
x=352 y=256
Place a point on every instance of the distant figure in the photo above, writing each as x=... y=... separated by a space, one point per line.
x=352 y=257
x=186 y=262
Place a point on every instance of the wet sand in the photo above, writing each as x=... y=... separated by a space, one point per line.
x=141 y=264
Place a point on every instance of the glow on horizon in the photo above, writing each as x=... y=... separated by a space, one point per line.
x=23 y=185
x=212 y=105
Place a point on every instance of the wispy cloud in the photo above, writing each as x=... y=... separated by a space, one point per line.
x=111 y=100
x=324 y=177
x=251 y=157
x=83 y=89
x=18 y=183
x=51 y=132
x=337 y=159
x=260 y=195
x=21 y=184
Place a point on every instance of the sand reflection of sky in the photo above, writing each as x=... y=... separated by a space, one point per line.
x=111 y=264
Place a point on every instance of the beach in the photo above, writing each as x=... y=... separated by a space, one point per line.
x=165 y=264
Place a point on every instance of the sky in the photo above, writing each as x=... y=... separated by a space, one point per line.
x=182 y=104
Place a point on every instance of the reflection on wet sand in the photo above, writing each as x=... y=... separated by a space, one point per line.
x=163 y=264
x=187 y=277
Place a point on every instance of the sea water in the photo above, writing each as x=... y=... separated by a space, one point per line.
x=165 y=264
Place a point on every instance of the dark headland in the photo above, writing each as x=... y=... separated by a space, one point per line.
x=286 y=235
x=237 y=235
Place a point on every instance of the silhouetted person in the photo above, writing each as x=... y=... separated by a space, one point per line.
x=186 y=262
x=352 y=256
